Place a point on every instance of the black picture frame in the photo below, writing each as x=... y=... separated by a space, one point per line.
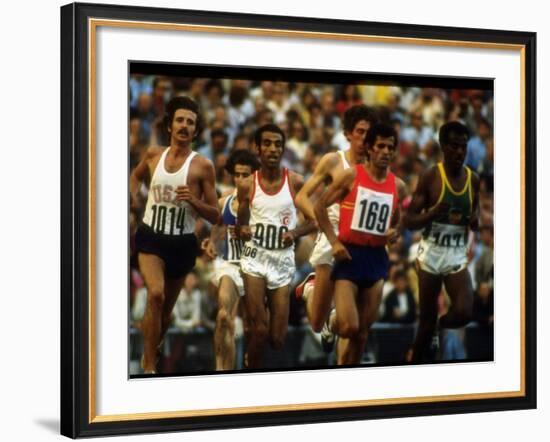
x=77 y=404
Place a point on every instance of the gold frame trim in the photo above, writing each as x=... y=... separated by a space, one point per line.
x=93 y=24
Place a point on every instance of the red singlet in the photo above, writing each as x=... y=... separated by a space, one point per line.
x=366 y=212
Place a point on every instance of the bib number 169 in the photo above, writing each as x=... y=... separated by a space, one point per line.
x=372 y=212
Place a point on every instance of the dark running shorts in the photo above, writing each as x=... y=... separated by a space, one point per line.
x=368 y=265
x=177 y=252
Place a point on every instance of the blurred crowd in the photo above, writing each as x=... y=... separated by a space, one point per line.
x=311 y=116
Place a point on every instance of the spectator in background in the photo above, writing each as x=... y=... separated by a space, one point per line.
x=218 y=122
x=410 y=97
x=224 y=182
x=396 y=113
x=140 y=84
x=263 y=92
x=298 y=139
x=241 y=108
x=331 y=121
x=319 y=141
x=279 y=103
x=196 y=90
x=477 y=145
x=317 y=118
x=218 y=119
x=484 y=305
x=308 y=98
x=399 y=305
x=349 y=96
x=241 y=142
x=145 y=112
x=187 y=310
x=162 y=92
x=264 y=117
x=484 y=265
x=218 y=145
x=432 y=106
x=136 y=143
x=486 y=168
x=311 y=159
x=214 y=93
x=418 y=133
x=475 y=109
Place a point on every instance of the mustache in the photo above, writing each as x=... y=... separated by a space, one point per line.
x=183 y=132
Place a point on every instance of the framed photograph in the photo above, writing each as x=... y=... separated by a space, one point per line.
x=170 y=122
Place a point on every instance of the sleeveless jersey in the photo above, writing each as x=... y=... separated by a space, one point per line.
x=163 y=213
x=272 y=214
x=451 y=229
x=366 y=212
x=334 y=210
x=232 y=246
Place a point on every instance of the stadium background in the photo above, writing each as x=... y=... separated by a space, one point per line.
x=311 y=116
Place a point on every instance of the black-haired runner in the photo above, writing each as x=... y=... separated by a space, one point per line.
x=317 y=289
x=182 y=188
x=444 y=205
x=267 y=221
x=241 y=164
x=369 y=196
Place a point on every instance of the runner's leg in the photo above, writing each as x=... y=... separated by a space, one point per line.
x=278 y=300
x=459 y=288
x=429 y=288
x=224 y=334
x=368 y=304
x=347 y=317
x=318 y=306
x=152 y=269
x=256 y=317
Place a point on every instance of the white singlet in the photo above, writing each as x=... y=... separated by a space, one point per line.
x=271 y=215
x=322 y=250
x=163 y=213
x=334 y=210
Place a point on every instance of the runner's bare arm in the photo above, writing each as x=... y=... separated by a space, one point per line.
x=217 y=232
x=335 y=192
x=244 y=193
x=474 y=219
x=207 y=206
x=304 y=229
x=418 y=214
x=402 y=190
x=309 y=226
x=402 y=193
x=140 y=171
x=392 y=234
x=318 y=178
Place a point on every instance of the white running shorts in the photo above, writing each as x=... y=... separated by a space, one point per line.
x=225 y=268
x=277 y=267
x=441 y=260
